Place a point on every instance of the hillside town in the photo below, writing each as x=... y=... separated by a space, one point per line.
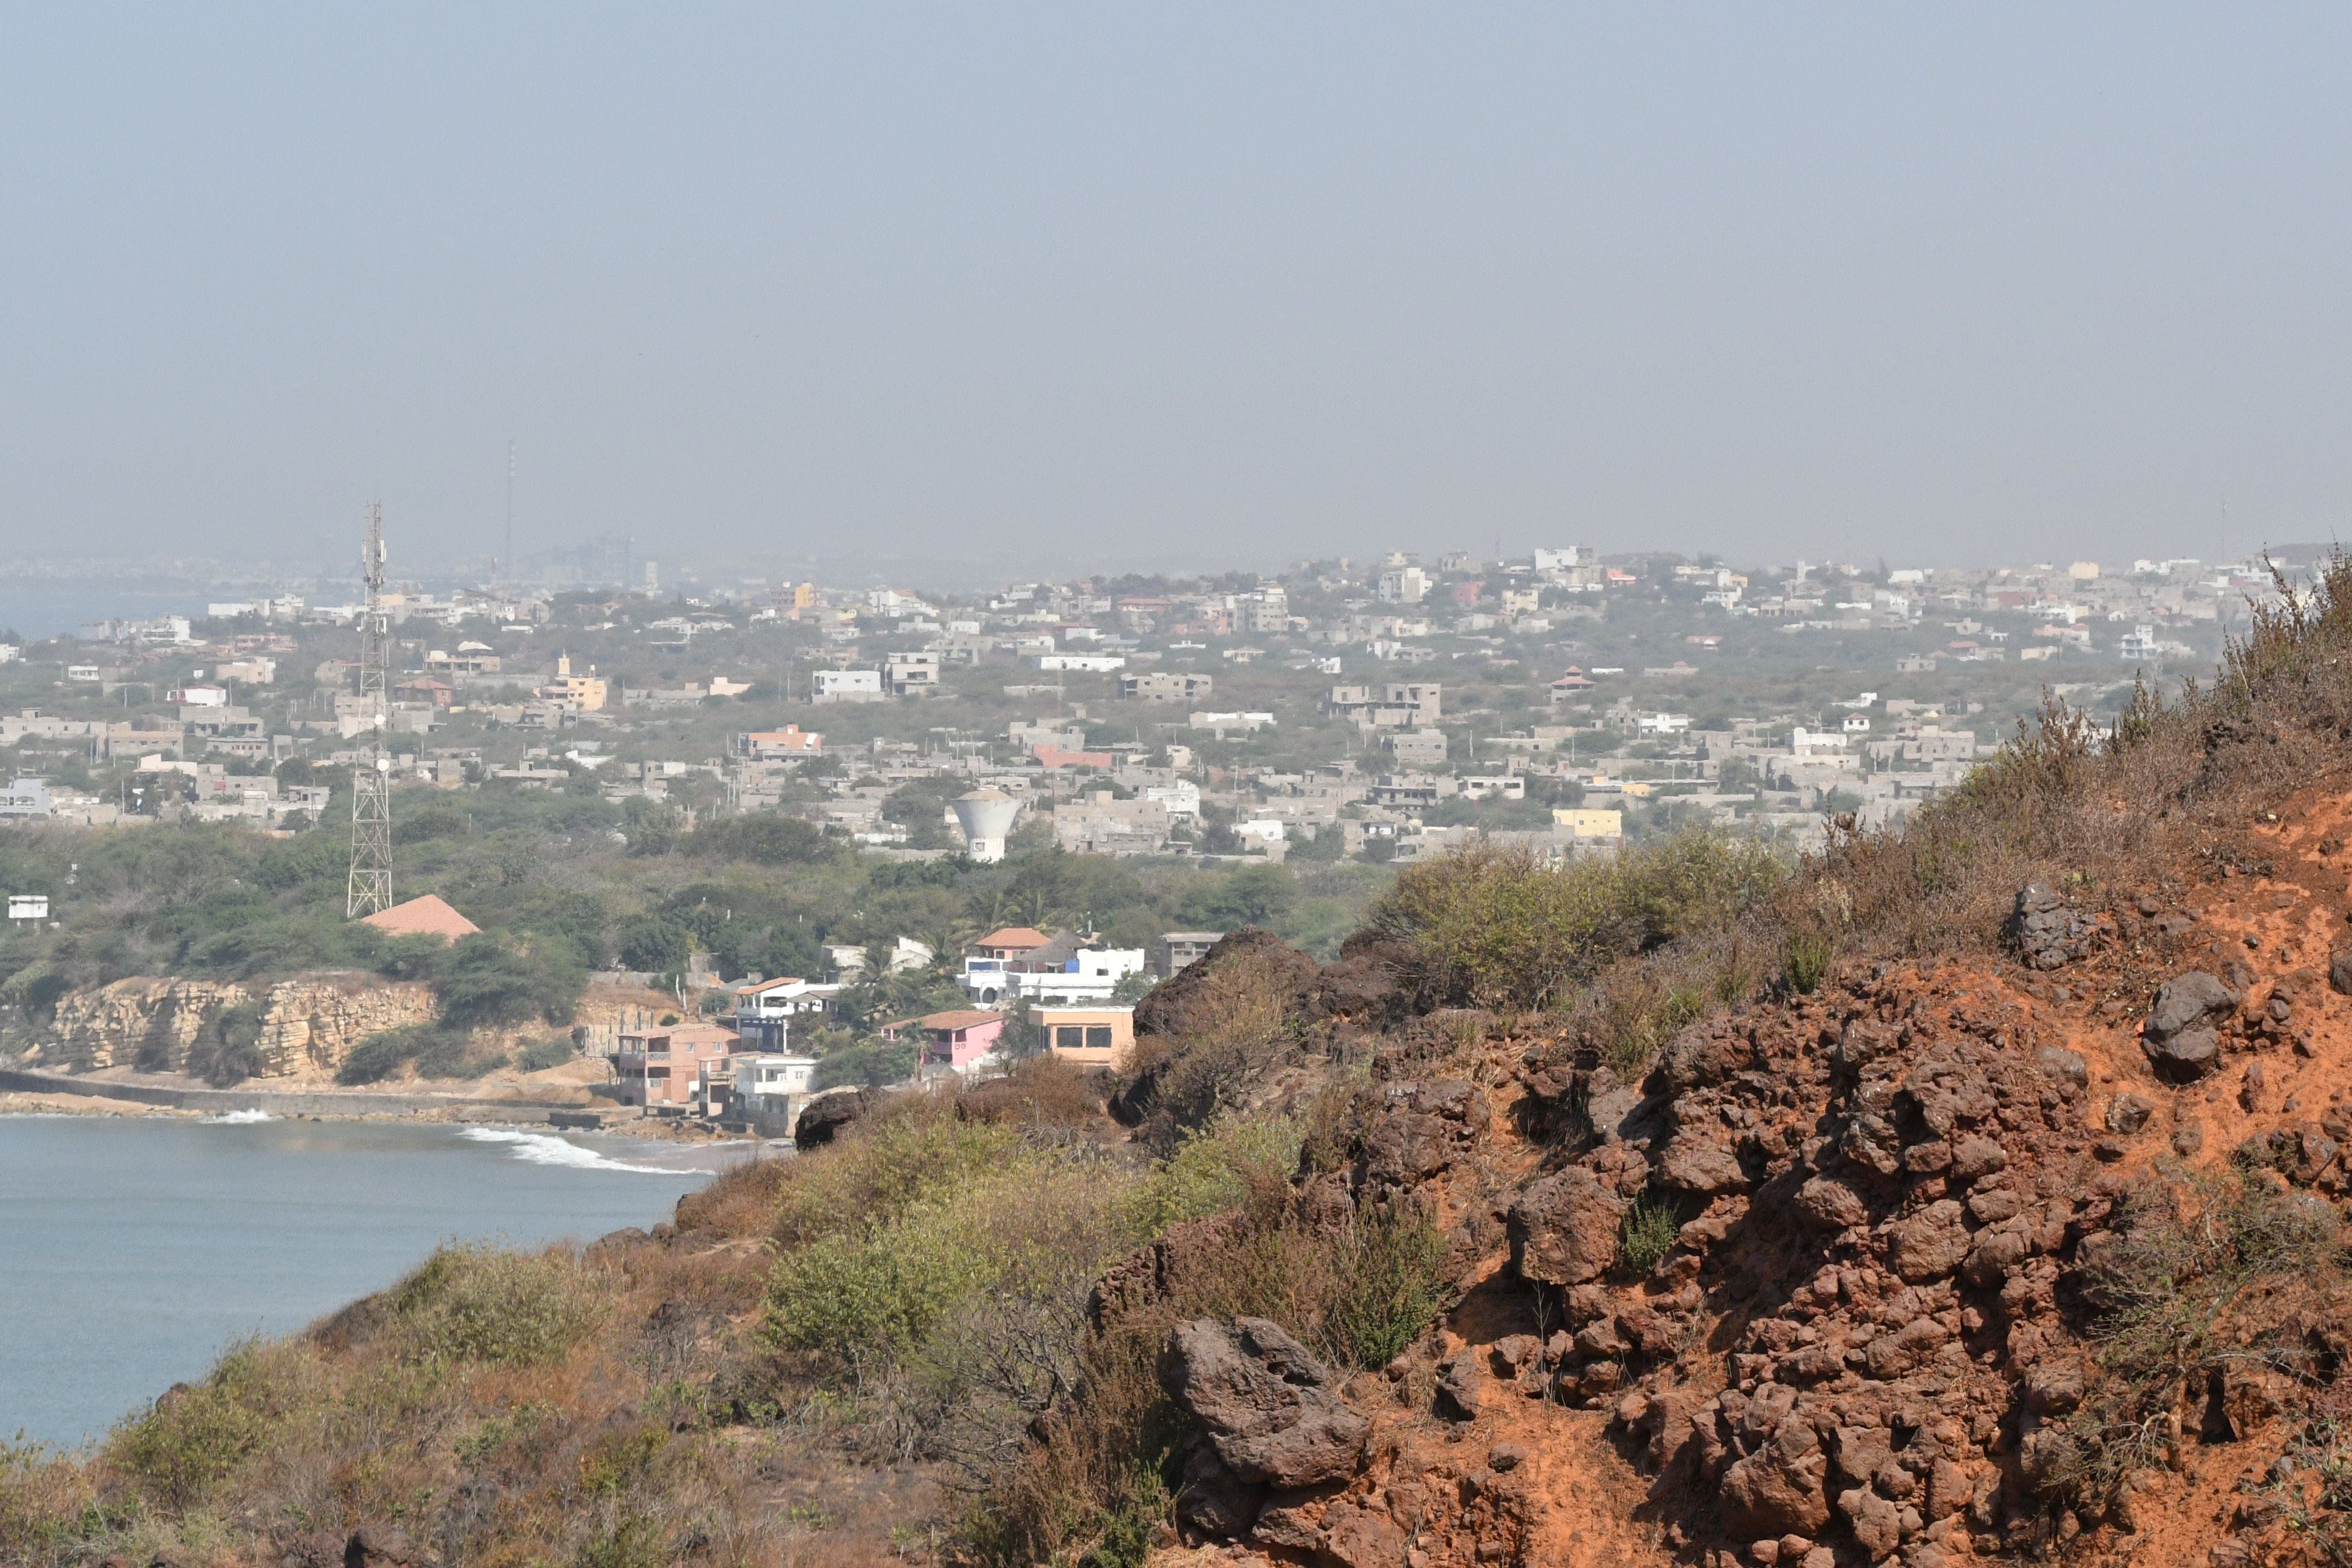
x=1366 y=714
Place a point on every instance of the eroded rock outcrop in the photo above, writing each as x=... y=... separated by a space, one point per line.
x=307 y=1025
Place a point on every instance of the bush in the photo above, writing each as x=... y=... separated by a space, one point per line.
x=435 y=1051
x=540 y=1054
x=228 y=1050
x=1390 y=1287
x=193 y=1438
x=2179 y=1292
x=487 y=981
x=1805 y=963
x=1501 y=928
x=474 y=1303
x=1648 y=1231
x=764 y=838
x=870 y=1064
x=654 y=944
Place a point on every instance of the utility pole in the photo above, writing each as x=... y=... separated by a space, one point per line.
x=369 y=888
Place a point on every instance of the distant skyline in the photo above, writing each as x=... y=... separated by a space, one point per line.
x=1062 y=288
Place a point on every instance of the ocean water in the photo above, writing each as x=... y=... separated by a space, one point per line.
x=134 y=1249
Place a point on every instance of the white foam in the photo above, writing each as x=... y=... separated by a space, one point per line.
x=238 y=1118
x=545 y=1149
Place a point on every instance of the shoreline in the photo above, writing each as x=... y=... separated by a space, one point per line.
x=30 y=1092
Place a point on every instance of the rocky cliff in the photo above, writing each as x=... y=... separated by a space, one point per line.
x=309 y=1024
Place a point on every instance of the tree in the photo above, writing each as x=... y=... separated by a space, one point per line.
x=764 y=837
x=656 y=945
x=1246 y=895
x=488 y=981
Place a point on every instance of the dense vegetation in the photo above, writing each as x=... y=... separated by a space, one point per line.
x=565 y=883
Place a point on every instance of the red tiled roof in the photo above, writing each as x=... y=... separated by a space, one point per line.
x=425 y=916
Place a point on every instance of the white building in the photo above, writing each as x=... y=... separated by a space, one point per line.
x=1403 y=586
x=771 y=1087
x=845 y=685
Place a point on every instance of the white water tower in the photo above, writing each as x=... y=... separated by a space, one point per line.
x=986 y=816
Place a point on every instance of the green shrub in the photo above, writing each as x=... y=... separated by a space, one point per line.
x=1388 y=1286
x=870 y=1064
x=1648 y=1231
x=1214 y=1169
x=191 y=1438
x=2179 y=1293
x=228 y=1050
x=763 y=838
x=436 y=1051
x=540 y=1054
x=488 y=981
x=1497 y=927
x=474 y=1303
x=1805 y=962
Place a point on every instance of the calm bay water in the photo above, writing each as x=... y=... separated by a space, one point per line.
x=132 y=1250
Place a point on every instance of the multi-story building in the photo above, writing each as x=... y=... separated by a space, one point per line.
x=659 y=1068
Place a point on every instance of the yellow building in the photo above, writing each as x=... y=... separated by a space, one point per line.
x=586 y=690
x=1088 y=1037
x=1585 y=823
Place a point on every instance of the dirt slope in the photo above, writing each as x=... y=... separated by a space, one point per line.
x=1893 y=1220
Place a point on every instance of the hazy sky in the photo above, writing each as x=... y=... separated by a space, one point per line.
x=1180 y=285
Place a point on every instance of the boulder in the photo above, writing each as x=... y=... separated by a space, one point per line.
x=1460 y=1391
x=1825 y=1203
x=1564 y=1228
x=1777 y=1489
x=823 y=1118
x=1930 y=1245
x=2339 y=972
x=1877 y=1524
x=2048 y=933
x=2179 y=1037
x=1212 y=1500
x=2056 y=1061
x=1266 y=1403
x=2127 y=1113
x=1699 y=1159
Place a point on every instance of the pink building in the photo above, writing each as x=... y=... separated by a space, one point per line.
x=660 y=1066
x=965 y=1039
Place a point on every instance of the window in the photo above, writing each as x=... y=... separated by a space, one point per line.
x=1069 y=1036
x=1098 y=1036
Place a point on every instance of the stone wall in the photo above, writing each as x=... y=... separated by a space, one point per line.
x=308 y=1023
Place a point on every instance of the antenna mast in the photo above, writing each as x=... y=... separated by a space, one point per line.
x=512 y=576
x=370 y=888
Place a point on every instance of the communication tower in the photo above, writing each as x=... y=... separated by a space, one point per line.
x=370 y=888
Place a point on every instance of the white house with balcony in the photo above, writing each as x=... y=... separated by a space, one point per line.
x=1062 y=972
x=764 y=1009
x=770 y=1088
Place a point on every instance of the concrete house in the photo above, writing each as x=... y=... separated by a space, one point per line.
x=963 y=1041
x=1088 y=1037
x=661 y=1067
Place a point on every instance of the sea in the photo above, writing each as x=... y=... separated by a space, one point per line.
x=133 y=1250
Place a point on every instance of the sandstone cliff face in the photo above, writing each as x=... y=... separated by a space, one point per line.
x=309 y=1024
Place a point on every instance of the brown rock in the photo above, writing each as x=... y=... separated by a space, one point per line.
x=1265 y=1403
x=1877 y=1524
x=1930 y=1245
x=1563 y=1229
x=1777 y=1490
x=1212 y=1500
x=382 y=1546
x=1461 y=1388
x=1699 y=1159
x=1825 y=1203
